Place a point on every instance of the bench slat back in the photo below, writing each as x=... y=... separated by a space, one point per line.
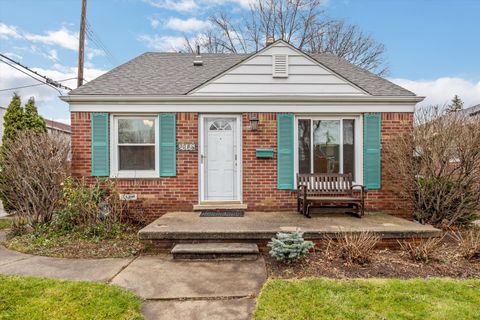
x=326 y=183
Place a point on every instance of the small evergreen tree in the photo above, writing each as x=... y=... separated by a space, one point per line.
x=31 y=119
x=455 y=105
x=13 y=119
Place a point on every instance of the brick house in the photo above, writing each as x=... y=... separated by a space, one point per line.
x=184 y=131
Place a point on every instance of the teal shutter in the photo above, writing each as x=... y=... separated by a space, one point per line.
x=168 y=145
x=372 y=152
x=285 y=134
x=99 y=123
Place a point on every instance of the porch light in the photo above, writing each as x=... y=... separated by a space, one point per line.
x=253 y=121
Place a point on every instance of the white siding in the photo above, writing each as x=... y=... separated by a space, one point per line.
x=254 y=77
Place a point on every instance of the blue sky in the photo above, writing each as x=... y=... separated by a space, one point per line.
x=432 y=45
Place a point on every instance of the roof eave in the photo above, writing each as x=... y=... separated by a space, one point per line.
x=257 y=98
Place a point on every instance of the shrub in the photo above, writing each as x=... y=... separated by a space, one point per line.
x=17 y=120
x=355 y=247
x=95 y=208
x=437 y=167
x=421 y=249
x=468 y=243
x=289 y=246
x=33 y=166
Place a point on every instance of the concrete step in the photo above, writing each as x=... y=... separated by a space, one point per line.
x=215 y=251
x=220 y=206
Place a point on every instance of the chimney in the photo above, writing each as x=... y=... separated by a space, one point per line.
x=270 y=40
x=198 y=58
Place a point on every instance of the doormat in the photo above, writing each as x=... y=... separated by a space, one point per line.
x=225 y=213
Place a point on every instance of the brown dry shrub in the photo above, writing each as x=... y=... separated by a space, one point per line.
x=437 y=167
x=468 y=243
x=33 y=167
x=422 y=249
x=353 y=247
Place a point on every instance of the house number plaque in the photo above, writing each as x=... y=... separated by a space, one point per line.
x=187 y=147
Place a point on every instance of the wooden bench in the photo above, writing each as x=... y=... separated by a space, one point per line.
x=329 y=190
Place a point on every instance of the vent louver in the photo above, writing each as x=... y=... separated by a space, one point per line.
x=280 y=66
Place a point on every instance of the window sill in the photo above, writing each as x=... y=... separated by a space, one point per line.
x=135 y=175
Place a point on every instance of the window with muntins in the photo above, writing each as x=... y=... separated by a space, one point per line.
x=326 y=146
x=135 y=148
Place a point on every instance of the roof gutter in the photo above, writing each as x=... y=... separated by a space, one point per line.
x=266 y=99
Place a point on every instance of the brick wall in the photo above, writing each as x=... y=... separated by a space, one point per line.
x=385 y=199
x=157 y=196
x=260 y=174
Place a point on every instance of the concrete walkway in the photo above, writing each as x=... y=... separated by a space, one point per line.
x=170 y=289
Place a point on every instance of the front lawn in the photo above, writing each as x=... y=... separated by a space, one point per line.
x=37 y=298
x=321 y=298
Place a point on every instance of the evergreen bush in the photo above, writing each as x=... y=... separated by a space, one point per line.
x=289 y=246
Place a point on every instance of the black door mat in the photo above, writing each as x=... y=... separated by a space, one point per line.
x=223 y=213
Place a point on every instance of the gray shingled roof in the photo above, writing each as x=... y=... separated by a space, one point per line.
x=157 y=73
x=472 y=111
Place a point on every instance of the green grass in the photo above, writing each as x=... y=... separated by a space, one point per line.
x=37 y=298
x=5 y=223
x=320 y=298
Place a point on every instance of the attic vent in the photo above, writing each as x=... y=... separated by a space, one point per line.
x=280 y=66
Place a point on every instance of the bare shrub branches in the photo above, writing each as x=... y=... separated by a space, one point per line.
x=33 y=166
x=437 y=167
x=354 y=247
x=468 y=243
x=421 y=249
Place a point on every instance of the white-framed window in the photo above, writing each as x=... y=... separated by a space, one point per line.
x=329 y=144
x=134 y=146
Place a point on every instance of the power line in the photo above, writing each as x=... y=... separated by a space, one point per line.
x=95 y=38
x=11 y=65
x=48 y=80
x=33 y=85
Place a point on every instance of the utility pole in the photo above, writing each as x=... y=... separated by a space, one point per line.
x=81 y=43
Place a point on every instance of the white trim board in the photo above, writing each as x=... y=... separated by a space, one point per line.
x=238 y=108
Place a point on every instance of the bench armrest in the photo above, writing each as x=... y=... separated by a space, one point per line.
x=363 y=190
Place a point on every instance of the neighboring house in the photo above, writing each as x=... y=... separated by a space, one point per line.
x=473 y=112
x=52 y=126
x=179 y=131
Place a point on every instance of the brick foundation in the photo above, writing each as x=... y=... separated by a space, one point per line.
x=159 y=195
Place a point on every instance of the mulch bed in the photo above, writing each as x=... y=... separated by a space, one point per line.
x=384 y=264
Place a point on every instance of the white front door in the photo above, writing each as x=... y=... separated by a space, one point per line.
x=219 y=158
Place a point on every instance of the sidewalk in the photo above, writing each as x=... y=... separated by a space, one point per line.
x=170 y=289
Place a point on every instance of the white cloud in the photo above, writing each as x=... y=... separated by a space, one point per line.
x=52 y=55
x=154 y=23
x=442 y=90
x=188 y=25
x=163 y=43
x=13 y=55
x=176 y=5
x=92 y=53
x=62 y=37
x=8 y=31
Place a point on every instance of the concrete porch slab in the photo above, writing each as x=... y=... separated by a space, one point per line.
x=264 y=225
